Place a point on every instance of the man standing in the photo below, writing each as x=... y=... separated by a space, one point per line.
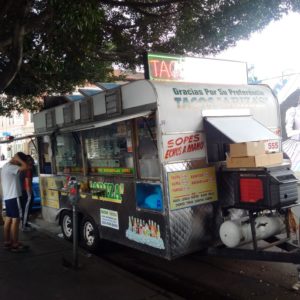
x=12 y=192
x=27 y=194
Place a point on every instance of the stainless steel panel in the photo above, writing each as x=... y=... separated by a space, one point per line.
x=242 y=129
x=190 y=228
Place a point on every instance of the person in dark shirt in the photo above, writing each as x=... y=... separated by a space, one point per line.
x=27 y=194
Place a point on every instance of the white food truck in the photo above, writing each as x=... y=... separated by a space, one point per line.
x=150 y=159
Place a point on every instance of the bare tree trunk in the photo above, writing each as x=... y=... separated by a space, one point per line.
x=15 y=57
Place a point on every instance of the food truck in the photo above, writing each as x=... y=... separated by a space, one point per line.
x=150 y=156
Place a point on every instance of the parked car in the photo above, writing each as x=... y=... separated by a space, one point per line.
x=36 y=192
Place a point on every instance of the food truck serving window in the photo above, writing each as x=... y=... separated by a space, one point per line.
x=68 y=153
x=109 y=149
x=45 y=154
x=147 y=148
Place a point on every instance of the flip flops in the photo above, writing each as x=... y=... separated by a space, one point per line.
x=19 y=248
x=16 y=248
x=7 y=245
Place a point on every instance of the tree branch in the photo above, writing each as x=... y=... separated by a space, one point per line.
x=139 y=4
x=9 y=72
x=151 y=14
x=4 y=7
x=29 y=25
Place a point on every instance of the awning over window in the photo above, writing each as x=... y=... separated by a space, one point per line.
x=14 y=139
x=241 y=129
x=105 y=122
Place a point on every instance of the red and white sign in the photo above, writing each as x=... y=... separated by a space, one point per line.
x=273 y=145
x=184 y=146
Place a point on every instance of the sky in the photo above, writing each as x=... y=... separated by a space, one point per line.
x=273 y=51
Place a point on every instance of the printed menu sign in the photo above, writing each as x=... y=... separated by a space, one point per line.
x=192 y=187
x=109 y=218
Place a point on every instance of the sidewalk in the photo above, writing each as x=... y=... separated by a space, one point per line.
x=39 y=274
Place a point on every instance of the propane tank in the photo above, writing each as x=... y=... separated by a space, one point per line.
x=235 y=232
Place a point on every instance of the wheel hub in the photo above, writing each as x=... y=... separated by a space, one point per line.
x=89 y=233
x=67 y=226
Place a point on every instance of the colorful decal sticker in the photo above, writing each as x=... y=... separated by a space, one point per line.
x=183 y=146
x=144 y=232
x=72 y=170
x=129 y=142
x=50 y=197
x=107 y=191
x=108 y=170
x=109 y=218
x=193 y=187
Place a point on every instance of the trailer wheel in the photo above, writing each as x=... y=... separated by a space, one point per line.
x=66 y=225
x=89 y=234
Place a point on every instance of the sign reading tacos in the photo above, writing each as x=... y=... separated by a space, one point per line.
x=166 y=67
x=183 y=146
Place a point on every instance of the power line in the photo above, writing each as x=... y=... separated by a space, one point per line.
x=281 y=76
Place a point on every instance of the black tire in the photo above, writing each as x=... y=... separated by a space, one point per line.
x=89 y=234
x=66 y=224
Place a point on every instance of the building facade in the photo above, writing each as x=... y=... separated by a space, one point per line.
x=18 y=125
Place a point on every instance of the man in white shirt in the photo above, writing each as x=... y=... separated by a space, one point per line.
x=12 y=192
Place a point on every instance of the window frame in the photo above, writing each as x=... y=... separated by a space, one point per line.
x=130 y=175
x=55 y=152
x=138 y=165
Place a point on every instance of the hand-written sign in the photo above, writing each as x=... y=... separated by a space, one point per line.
x=192 y=187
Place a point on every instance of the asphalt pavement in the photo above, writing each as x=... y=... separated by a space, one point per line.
x=45 y=272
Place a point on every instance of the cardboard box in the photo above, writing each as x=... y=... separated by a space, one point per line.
x=261 y=160
x=247 y=149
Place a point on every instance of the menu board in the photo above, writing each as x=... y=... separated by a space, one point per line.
x=50 y=197
x=192 y=187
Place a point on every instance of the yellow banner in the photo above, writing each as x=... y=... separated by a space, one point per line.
x=49 y=197
x=192 y=187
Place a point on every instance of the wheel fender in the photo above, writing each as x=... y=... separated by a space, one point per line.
x=58 y=214
x=61 y=210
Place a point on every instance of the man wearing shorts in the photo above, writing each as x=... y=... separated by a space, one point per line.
x=12 y=192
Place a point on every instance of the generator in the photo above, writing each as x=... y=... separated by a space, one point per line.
x=260 y=188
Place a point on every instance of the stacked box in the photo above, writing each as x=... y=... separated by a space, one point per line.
x=251 y=154
x=247 y=149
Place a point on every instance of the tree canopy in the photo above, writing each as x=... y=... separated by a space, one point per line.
x=48 y=47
